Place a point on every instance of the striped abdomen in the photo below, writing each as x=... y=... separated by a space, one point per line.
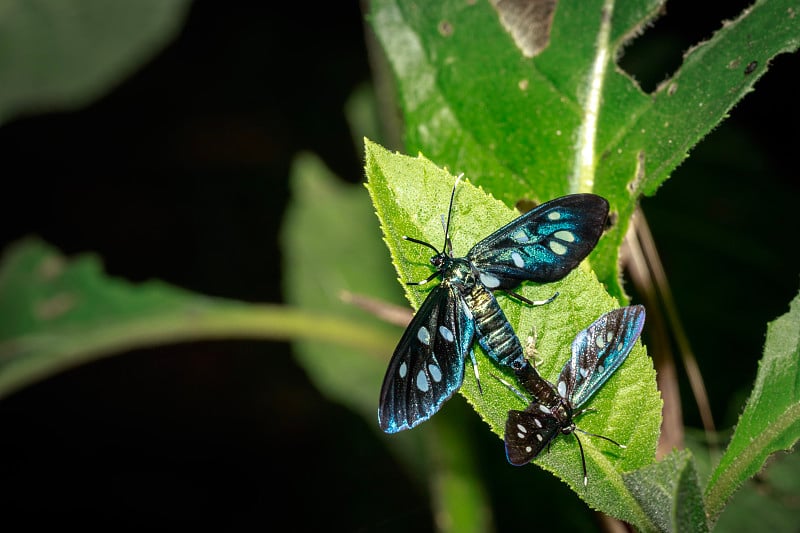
x=492 y=329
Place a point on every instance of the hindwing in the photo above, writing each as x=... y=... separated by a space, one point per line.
x=528 y=432
x=427 y=366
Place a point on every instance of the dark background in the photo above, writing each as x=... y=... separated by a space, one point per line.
x=180 y=174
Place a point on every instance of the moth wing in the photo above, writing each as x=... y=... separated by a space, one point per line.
x=544 y=244
x=427 y=366
x=527 y=433
x=598 y=351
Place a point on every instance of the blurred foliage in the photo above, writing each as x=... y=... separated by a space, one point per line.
x=61 y=54
x=197 y=218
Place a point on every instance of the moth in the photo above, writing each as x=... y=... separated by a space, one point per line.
x=427 y=367
x=597 y=352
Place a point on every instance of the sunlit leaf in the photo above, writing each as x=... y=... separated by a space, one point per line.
x=410 y=195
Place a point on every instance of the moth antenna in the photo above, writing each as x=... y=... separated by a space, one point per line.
x=612 y=441
x=423 y=243
x=432 y=247
x=447 y=244
x=583 y=461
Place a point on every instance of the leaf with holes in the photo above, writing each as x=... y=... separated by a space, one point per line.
x=558 y=117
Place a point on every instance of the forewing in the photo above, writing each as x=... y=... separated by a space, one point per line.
x=544 y=244
x=527 y=433
x=598 y=351
x=427 y=366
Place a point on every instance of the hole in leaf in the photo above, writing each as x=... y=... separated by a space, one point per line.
x=657 y=54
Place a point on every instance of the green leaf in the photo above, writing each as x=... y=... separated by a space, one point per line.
x=410 y=195
x=568 y=119
x=670 y=493
x=646 y=139
x=331 y=245
x=771 y=418
x=60 y=54
x=767 y=502
x=58 y=314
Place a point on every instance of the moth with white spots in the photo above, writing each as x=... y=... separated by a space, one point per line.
x=427 y=366
x=597 y=352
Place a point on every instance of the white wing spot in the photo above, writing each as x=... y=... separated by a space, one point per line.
x=446 y=334
x=537 y=422
x=528 y=449
x=489 y=280
x=584 y=372
x=564 y=235
x=521 y=435
x=520 y=236
x=422 y=381
x=543 y=408
x=539 y=437
x=600 y=342
x=558 y=248
x=522 y=428
x=424 y=336
x=403 y=369
x=609 y=336
x=436 y=373
x=601 y=369
x=554 y=215
x=517 y=259
x=562 y=389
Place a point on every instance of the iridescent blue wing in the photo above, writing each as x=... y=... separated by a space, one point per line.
x=528 y=432
x=544 y=244
x=598 y=351
x=427 y=366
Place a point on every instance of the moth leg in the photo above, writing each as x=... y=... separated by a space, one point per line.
x=475 y=368
x=532 y=303
x=583 y=411
x=512 y=388
x=424 y=281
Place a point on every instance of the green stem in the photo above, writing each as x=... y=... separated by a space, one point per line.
x=30 y=358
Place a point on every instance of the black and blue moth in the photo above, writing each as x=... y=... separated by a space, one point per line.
x=597 y=352
x=427 y=367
